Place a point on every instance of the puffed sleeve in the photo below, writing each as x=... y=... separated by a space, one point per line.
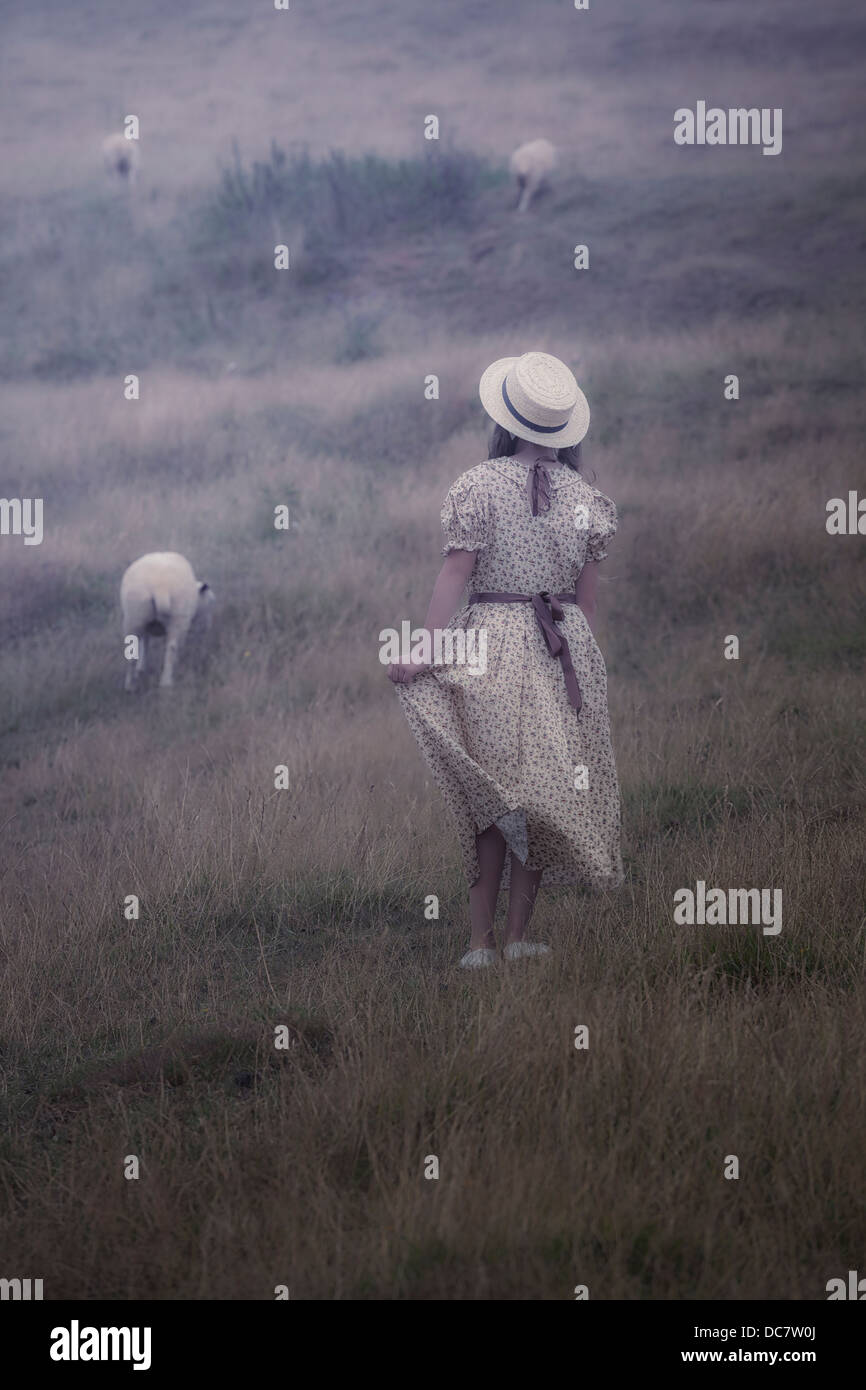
x=602 y=525
x=466 y=515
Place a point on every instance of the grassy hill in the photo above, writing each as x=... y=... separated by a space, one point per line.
x=305 y=907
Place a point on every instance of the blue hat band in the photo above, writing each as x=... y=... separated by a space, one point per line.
x=530 y=424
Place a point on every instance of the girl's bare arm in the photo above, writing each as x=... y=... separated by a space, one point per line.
x=586 y=590
x=452 y=580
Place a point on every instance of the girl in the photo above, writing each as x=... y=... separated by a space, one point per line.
x=522 y=752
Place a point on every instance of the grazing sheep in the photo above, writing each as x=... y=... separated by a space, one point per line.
x=160 y=595
x=530 y=165
x=122 y=159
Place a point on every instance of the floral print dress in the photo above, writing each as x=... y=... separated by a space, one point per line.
x=507 y=747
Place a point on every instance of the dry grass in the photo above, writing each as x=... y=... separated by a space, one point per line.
x=260 y=907
x=306 y=907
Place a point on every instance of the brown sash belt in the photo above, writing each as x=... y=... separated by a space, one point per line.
x=548 y=610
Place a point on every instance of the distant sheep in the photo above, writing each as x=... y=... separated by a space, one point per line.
x=122 y=159
x=161 y=596
x=530 y=166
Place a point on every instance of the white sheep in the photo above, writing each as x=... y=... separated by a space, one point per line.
x=122 y=159
x=530 y=165
x=161 y=596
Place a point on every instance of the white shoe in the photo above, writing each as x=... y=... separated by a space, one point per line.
x=515 y=949
x=477 y=959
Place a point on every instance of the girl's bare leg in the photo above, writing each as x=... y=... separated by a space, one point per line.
x=490 y=847
x=521 y=899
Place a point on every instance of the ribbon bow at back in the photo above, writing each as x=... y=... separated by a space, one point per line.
x=549 y=610
x=539 y=488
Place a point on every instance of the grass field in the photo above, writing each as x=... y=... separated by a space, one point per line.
x=305 y=907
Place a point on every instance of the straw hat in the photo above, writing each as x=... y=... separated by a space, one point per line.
x=537 y=398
